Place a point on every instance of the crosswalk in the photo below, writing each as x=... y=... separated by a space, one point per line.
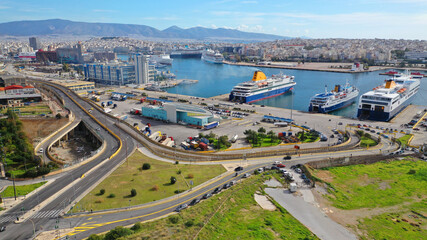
x=42 y=214
x=47 y=214
x=7 y=218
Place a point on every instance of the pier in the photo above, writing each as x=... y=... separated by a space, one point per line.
x=173 y=83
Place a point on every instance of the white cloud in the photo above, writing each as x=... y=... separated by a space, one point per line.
x=214 y=26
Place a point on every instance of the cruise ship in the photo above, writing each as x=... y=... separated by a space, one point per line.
x=211 y=56
x=163 y=59
x=387 y=100
x=340 y=97
x=261 y=88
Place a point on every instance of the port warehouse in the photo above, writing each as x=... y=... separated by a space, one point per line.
x=76 y=85
x=179 y=113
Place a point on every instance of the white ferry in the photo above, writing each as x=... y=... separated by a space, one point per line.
x=261 y=88
x=340 y=97
x=387 y=100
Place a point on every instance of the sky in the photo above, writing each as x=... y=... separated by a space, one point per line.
x=397 y=19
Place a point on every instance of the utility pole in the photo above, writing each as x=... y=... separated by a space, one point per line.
x=14 y=188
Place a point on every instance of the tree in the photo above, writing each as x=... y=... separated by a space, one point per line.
x=58 y=116
x=272 y=136
x=65 y=67
x=117 y=232
x=102 y=191
x=146 y=166
x=173 y=180
x=133 y=192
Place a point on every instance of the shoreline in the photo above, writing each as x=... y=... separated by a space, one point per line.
x=307 y=68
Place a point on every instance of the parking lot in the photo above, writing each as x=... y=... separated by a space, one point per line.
x=232 y=124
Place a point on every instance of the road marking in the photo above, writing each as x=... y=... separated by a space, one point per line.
x=77 y=230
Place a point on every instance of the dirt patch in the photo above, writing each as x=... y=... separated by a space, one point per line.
x=35 y=129
x=384 y=185
x=264 y=203
x=324 y=175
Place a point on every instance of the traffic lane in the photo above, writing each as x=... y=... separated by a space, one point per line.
x=109 y=221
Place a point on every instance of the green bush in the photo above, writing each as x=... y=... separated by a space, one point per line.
x=95 y=237
x=146 y=166
x=189 y=223
x=178 y=172
x=112 y=195
x=117 y=232
x=133 y=192
x=173 y=180
x=174 y=219
x=136 y=227
x=101 y=192
x=178 y=191
x=176 y=162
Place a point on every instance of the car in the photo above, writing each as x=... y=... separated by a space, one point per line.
x=332 y=136
x=281 y=166
x=3 y=228
x=232 y=183
x=283 y=170
x=207 y=195
x=181 y=207
x=298 y=170
x=246 y=175
x=288 y=157
x=238 y=169
x=275 y=168
x=41 y=150
x=260 y=170
x=293 y=167
x=194 y=202
x=217 y=190
x=276 y=162
x=340 y=123
x=225 y=186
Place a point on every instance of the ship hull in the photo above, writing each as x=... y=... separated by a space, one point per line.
x=260 y=96
x=382 y=116
x=335 y=107
x=212 y=60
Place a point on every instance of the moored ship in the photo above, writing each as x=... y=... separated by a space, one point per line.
x=211 y=56
x=163 y=59
x=186 y=53
x=340 y=97
x=261 y=87
x=387 y=100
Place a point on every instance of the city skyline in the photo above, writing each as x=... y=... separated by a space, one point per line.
x=395 y=19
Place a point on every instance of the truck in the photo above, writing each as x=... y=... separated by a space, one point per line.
x=292 y=187
x=123 y=117
x=107 y=110
x=154 y=135
x=165 y=142
x=203 y=146
x=211 y=125
x=185 y=145
x=281 y=124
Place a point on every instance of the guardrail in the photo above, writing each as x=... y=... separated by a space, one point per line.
x=96 y=120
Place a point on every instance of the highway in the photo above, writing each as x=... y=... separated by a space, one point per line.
x=42 y=216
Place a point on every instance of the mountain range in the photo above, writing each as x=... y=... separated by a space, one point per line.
x=60 y=27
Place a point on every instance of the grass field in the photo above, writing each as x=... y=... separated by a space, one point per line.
x=131 y=176
x=410 y=222
x=404 y=140
x=232 y=214
x=367 y=142
x=21 y=190
x=33 y=110
x=395 y=192
x=377 y=185
x=266 y=142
